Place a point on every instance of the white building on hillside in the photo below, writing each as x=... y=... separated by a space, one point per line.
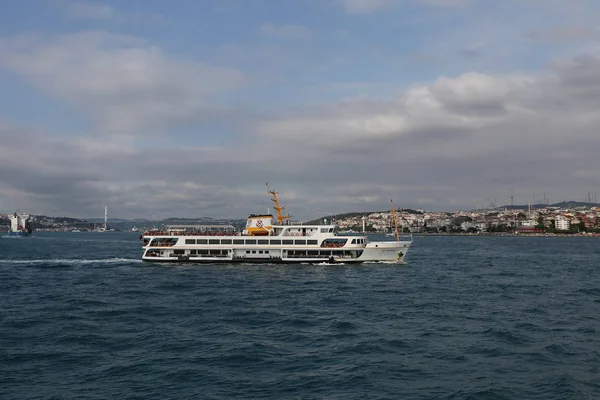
x=562 y=223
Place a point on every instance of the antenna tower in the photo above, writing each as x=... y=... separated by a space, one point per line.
x=395 y=221
x=280 y=217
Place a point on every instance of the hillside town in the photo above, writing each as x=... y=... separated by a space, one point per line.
x=546 y=220
x=44 y=223
x=542 y=220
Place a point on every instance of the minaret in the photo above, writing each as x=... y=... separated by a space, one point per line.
x=105 y=216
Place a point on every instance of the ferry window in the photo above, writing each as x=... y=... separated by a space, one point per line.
x=225 y=241
x=202 y=241
x=179 y=252
x=312 y=242
x=214 y=241
x=250 y=241
x=253 y=251
x=190 y=241
x=238 y=241
x=263 y=241
x=300 y=241
x=260 y=252
x=323 y=230
x=330 y=229
x=193 y=252
x=247 y=251
x=288 y=241
x=275 y=241
x=353 y=241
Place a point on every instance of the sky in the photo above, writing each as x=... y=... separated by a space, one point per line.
x=187 y=108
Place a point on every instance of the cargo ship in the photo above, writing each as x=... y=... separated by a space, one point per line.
x=20 y=225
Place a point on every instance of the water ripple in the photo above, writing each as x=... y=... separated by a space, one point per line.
x=465 y=318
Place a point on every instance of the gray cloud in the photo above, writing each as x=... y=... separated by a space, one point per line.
x=89 y=10
x=92 y=10
x=291 y=31
x=469 y=53
x=125 y=85
x=562 y=34
x=370 y=6
x=443 y=145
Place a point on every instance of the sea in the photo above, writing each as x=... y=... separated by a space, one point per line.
x=81 y=317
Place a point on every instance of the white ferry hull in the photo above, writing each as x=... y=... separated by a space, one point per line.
x=385 y=252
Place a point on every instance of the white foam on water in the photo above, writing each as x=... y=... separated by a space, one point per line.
x=72 y=261
x=327 y=263
x=384 y=262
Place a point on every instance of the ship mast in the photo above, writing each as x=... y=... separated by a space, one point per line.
x=280 y=217
x=395 y=222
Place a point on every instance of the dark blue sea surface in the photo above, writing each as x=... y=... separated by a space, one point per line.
x=465 y=318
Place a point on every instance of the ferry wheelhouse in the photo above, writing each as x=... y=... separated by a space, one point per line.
x=265 y=239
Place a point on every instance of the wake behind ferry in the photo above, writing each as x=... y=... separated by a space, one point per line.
x=266 y=240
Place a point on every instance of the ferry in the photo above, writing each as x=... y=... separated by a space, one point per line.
x=269 y=240
x=20 y=225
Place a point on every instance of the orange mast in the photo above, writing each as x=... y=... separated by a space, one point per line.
x=395 y=222
x=280 y=217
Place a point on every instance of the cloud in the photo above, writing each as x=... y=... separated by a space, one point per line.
x=446 y=3
x=285 y=31
x=471 y=101
x=563 y=34
x=469 y=53
x=491 y=132
x=370 y=6
x=446 y=144
x=365 y=6
x=79 y=176
x=89 y=10
x=123 y=83
x=97 y=11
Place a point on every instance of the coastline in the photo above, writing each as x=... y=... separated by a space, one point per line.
x=511 y=234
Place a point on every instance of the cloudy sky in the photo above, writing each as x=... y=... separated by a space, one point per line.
x=186 y=108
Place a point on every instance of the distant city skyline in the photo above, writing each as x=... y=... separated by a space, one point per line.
x=186 y=109
x=489 y=207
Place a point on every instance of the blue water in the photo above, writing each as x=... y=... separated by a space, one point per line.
x=465 y=318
